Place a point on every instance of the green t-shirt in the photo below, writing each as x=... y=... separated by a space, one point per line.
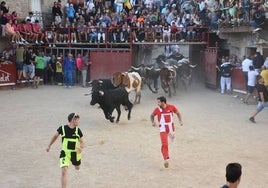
x=40 y=62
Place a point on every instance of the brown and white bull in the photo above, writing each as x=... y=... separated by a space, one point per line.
x=131 y=81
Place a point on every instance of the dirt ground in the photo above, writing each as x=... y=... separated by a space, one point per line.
x=216 y=131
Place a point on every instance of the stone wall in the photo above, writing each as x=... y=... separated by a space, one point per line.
x=22 y=7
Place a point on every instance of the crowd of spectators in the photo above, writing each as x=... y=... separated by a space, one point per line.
x=95 y=21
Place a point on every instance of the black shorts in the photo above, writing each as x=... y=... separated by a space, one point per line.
x=251 y=89
x=39 y=72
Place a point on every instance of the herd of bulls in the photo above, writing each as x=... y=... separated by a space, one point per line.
x=110 y=94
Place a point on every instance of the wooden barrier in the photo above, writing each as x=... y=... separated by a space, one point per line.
x=8 y=74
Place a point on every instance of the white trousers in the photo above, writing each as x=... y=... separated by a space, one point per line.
x=225 y=82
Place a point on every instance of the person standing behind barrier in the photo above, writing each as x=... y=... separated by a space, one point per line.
x=225 y=69
x=233 y=175
x=19 y=61
x=59 y=71
x=245 y=68
x=72 y=145
x=258 y=61
x=39 y=69
x=164 y=113
x=252 y=74
x=84 y=68
x=28 y=67
x=263 y=98
x=68 y=68
x=52 y=69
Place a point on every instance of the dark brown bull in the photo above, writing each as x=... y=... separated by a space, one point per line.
x=168 y=79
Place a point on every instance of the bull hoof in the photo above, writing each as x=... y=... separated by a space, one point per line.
x=112 y=119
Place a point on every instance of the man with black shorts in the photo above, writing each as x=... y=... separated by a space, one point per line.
x=72 y=145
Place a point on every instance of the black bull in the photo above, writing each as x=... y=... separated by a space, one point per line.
x=110 y=100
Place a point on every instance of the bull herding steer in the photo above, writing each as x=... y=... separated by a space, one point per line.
x=110 y=100
x=131 y=81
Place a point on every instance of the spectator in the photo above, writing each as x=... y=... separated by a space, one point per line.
x=266 y=62
x=258 y=61
x=264 y=74
x=258 y=18
x=57 y=13
x=252 y=75
x=166 y=32
x=31 y=18
x=19 y=61
x=245 y=68
x=9 y=31
x=28 y=67
x=59 y=78
x=52 y=69
x=70 y=13
x=37 y=31
x=84 y=68
x=73 y=31
x=68 y=68
x=82 y=31
x=39 y=69
x=225 y=69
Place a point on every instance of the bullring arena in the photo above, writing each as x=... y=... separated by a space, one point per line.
x=216 y=131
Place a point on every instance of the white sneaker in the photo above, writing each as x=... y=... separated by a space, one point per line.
x=160 y=40
x=36 y=42
x=41 y=42
x=155 y=40
x=22 y=39
x=49 y=45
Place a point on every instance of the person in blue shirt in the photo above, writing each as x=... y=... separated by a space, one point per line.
x=68 y=68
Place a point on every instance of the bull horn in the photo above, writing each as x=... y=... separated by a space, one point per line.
x=100 y=81
x=135 y=68
x=148 y=68
x=101 y=93
x=193 y=66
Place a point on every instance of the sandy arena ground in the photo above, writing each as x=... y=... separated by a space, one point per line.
x=216 y=131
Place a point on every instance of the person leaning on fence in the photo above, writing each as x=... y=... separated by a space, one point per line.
x=233 y=175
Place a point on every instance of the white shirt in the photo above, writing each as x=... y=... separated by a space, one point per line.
x=252 y=77
x=245 y=65
x=266 y=63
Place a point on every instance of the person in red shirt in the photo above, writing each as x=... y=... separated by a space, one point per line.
x=164 y=113
x=37 y=31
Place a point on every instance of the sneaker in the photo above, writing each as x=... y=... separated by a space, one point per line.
x=36 y=42
x=41 y=42
x=252 y=119
x=161 y=40
x=155 y=40
x=166 y=164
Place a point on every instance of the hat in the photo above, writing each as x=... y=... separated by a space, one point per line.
x=174 y=5
x=166 y=5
